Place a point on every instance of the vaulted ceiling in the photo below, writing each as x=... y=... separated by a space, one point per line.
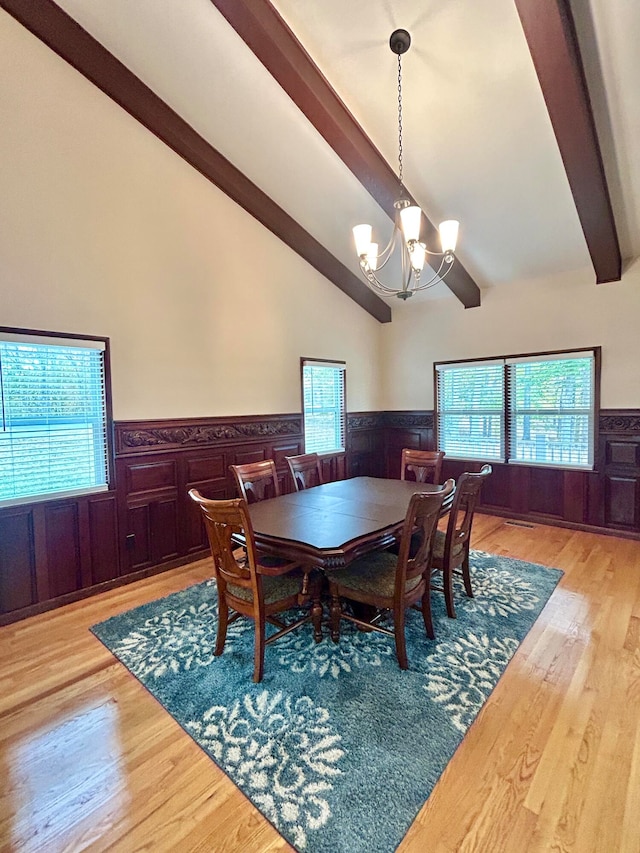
x=520 y=119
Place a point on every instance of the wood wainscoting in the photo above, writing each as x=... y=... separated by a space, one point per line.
x=605 y=500
x=158 y=462
x=53 y=552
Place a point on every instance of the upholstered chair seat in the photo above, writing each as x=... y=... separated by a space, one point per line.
x=274 y=587
x=439 y=545
x=374 y=574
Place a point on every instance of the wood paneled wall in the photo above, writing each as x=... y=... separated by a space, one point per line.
x=50 y=550
x=58 y=551
x=54 y=552
x=606 y=499
x=157 y=463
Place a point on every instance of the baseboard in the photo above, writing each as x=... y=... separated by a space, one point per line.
x=559 y=522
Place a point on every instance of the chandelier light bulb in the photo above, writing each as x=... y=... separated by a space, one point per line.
x=417 y=256
x=372 y=256
x=362 y=239
x=449 y=234
x=410 y=218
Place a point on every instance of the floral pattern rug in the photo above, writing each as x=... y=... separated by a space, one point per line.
x=337 y=746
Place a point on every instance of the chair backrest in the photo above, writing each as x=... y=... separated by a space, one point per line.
x=305 y=470
x=256 y=480
x=425 y=465
x=222 y=520
x=464 y=505
x=419 y=524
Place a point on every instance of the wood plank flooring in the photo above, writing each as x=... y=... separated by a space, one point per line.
x=90 y=761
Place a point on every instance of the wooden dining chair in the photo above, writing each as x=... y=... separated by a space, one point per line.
x=245 y=585
x=306 y=470
x=389 y=582
x=451 y=548
x=256 y=480
x=423 y=466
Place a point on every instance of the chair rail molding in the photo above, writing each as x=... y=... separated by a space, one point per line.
x=141 y=436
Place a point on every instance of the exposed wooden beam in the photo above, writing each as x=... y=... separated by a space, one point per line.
x=266 y=33
x=69 y=40
x=550 y=32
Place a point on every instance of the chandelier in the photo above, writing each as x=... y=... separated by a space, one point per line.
x=406 y=229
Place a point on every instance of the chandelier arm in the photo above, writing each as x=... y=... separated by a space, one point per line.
x=438 y=254
x=378 y=285
x=382 y=265
x=407 y=270
x=406 y=276
x=388 y=250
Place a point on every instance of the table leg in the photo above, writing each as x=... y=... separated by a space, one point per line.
x=336 y=613
x=316 y=618
x=316 y=603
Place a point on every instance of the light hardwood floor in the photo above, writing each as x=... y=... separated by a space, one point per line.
x=89 y=760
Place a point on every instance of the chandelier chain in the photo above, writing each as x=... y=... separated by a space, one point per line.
x=406 y=229
x=400 y=120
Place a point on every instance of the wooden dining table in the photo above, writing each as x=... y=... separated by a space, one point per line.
x=331 y=525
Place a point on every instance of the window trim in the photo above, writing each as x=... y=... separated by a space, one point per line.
x=547 y=355
x=326 y=362
x=52 y=337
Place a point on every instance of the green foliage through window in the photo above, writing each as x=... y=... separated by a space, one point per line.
x=537 y=409
x=323 y=399
x=53 y=416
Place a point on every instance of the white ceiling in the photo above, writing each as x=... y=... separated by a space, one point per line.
x=478 y=142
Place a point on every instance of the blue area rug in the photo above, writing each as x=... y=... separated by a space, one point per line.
x=337 y=747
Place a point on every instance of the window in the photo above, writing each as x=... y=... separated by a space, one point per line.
x=535 y=409
x=323 y=405
x=471 y=409
x=53 y=417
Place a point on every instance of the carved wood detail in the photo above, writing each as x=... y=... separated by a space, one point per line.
x=140 y=438
x=619 y=421
x=408 y=420
x=359 y=422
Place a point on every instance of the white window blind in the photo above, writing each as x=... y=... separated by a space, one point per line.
x=541 y=408
x=53 y=423
x=551 y=409
x=471 y=409
x=323 y=399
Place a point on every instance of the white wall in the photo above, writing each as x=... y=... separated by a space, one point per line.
x=539 y=316
x=105 y=231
